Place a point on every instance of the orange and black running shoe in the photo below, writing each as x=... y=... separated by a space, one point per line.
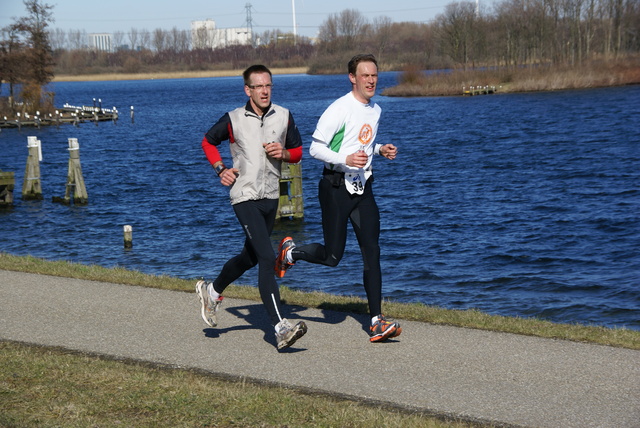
x=384 y=329
x=282 y=264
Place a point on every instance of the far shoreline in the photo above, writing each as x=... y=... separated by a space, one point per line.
x=436 y=85
x=168 y=75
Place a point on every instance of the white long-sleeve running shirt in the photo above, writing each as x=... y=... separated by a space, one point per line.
x=345 y=127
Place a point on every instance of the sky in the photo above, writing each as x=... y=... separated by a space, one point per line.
x=109 y=16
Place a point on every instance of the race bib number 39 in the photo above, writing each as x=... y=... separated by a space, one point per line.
x=354 y=182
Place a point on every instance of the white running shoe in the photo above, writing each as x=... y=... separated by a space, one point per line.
x=209 y=306
x=287 y=334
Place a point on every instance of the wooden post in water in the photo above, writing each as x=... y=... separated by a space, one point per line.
x=128 y=236
x=295 y=189
x=7 y=184
x=290 y=203
x=75 y=182
x=31 y=187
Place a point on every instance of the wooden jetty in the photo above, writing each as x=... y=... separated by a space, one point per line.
x=479 y=90
x=68 y=114
x=290 y=204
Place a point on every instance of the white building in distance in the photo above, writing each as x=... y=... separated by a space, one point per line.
x=204 y=34
x=100 y=42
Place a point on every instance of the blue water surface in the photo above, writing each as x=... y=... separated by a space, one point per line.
x=515 y=204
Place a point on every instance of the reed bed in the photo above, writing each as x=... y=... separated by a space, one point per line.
x=167 y=75
x=413 y=82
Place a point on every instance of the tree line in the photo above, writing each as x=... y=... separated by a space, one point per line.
x=510 y=33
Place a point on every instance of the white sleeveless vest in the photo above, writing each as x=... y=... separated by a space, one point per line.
x=259 y=174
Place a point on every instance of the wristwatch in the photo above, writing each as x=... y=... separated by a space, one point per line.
x=219 y=169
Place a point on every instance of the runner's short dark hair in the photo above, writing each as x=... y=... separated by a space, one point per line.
x=256 y=68
x=353 y=64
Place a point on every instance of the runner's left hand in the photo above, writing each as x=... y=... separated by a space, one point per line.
x=389 y=151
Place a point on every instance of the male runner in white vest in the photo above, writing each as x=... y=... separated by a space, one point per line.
x=261 y=136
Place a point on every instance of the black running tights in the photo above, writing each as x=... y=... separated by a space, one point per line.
x=338 y=207
x=257 y=219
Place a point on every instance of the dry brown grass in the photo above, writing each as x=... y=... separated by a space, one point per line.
x=523 y=79
x=168 y=75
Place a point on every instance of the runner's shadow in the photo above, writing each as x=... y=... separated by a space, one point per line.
x=336 y=313
x=256 y=318
x=332 y=313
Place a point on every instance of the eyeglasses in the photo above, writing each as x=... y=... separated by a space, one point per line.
x=260 y=87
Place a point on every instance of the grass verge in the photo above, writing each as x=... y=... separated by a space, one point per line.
x=49 y=387
x=619 y=337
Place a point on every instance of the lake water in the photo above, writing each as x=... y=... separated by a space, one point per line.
x=515 y=204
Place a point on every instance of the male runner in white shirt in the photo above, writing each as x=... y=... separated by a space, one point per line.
x=344 y=141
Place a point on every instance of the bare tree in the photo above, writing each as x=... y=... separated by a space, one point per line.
x=58 y=39
x=200 y=38
x=170 y=40
x=589 y=15
x=177 y=40
x=145 y=39
x=512 y=24
x=159 y=39
x=328 y=32
x=382 y=30
x=457 y=30
x=631 y=25
x=350 y=25
x=133 y=38
x=77 y=39
x=572 y=12
x=182 y=40
x=118 y=39
x=341 y=31
x=617 y=19
x=269 y=37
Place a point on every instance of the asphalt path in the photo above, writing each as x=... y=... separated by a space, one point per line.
x=504 y=379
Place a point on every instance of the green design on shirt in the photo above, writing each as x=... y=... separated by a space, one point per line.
x=336 y=141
